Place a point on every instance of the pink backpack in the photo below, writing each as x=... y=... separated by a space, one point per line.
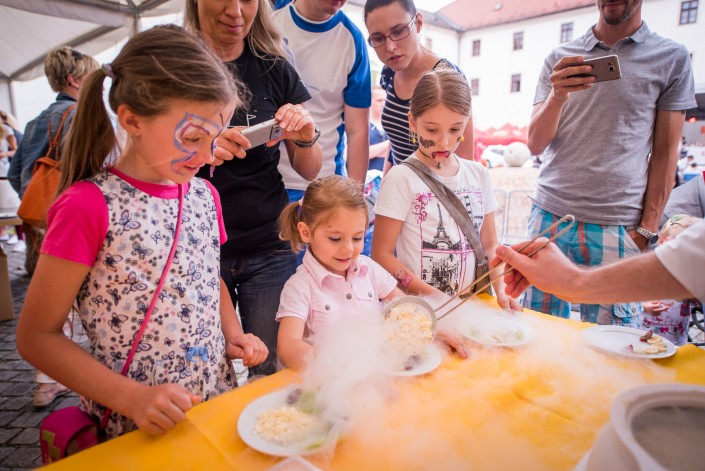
x=65 y=432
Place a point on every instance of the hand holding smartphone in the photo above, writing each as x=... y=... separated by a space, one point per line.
x=262 y=133
x=603 y=68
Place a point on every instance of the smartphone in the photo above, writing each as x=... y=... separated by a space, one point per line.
x=603 y=68
x=263 y=132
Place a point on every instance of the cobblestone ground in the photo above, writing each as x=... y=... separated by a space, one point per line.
x=19 y=419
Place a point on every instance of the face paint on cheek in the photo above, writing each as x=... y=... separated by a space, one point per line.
x=426 y=142
x=191 y=125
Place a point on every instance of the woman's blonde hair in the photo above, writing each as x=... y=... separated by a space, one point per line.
x=64 y=61
x=8 y=119
x=442 y=86
x=154 y=68
x=264 y=39
x=322 y=197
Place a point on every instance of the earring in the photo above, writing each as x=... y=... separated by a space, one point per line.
x=462 y=138
x=413 y=137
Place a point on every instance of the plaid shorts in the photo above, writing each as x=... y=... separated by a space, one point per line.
x=588 y=245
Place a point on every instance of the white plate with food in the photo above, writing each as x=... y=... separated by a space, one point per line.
x=629 y=342
x=420 y=364
x=499 y=332
x=282 y=424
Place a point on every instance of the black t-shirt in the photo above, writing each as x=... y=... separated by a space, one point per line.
x=251 y=189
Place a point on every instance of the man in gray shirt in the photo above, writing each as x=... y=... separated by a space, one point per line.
x=609 y=148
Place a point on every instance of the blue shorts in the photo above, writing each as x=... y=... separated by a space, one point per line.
x=588 y=245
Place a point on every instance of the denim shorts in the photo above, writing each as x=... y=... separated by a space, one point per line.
x=255 y=284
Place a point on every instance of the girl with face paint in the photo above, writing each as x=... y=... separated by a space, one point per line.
x=112 y=228
x=415 y=238
x=394 y=27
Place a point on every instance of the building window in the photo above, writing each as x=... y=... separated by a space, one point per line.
x=689 y=12
x=476 y=47
x=516 y=83
x=519 y=40
x=566 y=32
x=475 y=86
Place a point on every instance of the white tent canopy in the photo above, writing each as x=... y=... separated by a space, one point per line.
x=29 y=29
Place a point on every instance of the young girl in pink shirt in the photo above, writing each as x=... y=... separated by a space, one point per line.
x=334 y=281
x=113 y=229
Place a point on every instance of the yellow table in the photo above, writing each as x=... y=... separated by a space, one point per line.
x=538 y=407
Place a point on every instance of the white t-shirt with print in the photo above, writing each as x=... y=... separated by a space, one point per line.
x=430 y=243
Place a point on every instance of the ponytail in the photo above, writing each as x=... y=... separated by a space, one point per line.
x=288 y=226
x=91 y=137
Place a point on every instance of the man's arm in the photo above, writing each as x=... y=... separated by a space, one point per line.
x=357 y=127
x=662 y=170
x=633 y=279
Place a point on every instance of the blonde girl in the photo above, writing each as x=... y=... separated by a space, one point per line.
x=335 y=281
x=110 y=233
x=415 y=238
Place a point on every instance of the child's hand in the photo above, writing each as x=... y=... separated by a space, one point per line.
x=451 y=342
x=248 y=347
x=157 y=409
x=505 y=301
x=654 y=308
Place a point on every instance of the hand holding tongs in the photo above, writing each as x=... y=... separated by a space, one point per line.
x=467 y=293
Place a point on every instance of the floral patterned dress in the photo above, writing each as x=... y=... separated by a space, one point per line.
x=183 y=343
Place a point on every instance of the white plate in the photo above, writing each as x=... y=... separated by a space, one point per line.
x=618 y=339
x=482 y=332
x=248 y=418
x=430 y=360
x=582 y=464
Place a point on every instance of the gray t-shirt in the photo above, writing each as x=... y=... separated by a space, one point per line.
x=596 y=166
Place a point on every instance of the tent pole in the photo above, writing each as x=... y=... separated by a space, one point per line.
x=136 y=22
x=11 y=93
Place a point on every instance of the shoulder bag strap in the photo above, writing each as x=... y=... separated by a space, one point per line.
x=456 y=209
x=143 y=327
x=55 y=141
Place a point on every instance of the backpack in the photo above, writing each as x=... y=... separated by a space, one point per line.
x=42 y=188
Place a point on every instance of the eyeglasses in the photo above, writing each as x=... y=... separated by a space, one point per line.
x=379 y=40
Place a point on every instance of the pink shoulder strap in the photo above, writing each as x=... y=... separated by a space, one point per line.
x=138 y=336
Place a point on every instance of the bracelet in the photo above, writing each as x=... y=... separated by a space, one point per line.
x=316 y=135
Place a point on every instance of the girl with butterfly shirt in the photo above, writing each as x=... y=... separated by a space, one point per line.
x=112 y=230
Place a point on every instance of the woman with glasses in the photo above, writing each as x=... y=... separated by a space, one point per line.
x=393 y=27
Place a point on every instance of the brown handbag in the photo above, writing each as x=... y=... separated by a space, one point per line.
x=41 y=191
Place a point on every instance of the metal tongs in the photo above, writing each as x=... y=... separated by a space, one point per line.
x=468 y=292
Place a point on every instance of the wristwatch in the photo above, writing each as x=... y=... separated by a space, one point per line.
x=651 y=237
x=316 y=135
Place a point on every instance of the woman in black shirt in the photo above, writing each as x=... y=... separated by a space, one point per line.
x=255 y=263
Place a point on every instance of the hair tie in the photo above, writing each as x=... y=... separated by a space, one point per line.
x=107 y=70
x=301 y=206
